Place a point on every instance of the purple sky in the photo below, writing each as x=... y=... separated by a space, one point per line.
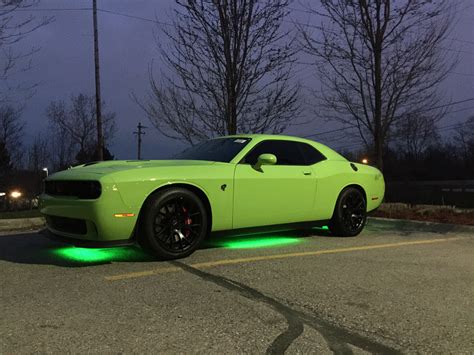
x=65 y=66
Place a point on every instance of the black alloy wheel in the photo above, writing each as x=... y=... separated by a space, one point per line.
x=350 y=214
x=174 y=224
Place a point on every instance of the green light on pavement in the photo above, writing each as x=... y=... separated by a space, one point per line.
x=253 y=243
x=324 y=228
x=94 y=255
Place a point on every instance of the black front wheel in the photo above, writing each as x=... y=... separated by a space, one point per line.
x=350 y=213
x=173 y=224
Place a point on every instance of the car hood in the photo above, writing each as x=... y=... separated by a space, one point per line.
x=112 y=166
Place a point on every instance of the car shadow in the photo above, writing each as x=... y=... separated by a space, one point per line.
x=34 y=248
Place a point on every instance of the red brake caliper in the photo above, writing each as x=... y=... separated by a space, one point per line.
x=187 y=221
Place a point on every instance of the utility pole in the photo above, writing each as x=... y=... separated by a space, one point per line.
x=98 y=101
x=139 y=134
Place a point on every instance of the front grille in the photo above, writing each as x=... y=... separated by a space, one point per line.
x=67 y=225
x=81 y=189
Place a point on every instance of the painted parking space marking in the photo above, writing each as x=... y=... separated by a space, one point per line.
x=216 y=263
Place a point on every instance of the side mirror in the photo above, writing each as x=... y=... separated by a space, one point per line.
x=265 y=159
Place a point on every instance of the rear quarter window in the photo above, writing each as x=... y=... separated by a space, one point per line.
x=311 y=155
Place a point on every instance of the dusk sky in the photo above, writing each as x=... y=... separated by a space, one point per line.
x=64 y=66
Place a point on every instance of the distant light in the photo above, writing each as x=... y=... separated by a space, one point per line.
x=45 y=169
x=365 y=161
x=2 y=193
x=15 y=194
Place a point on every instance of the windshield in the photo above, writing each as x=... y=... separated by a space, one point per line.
x=221 y=149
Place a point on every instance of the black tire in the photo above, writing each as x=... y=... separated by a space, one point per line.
x=173 y=224
x=350 y=213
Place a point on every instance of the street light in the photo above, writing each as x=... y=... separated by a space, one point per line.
x=15 y=194
x=46 y=171
x=365 y=161
x=2 y=194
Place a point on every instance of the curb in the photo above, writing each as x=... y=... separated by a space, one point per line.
x=405 y=225
x=19 y=224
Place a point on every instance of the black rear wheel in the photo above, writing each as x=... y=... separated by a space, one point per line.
x=350 y=213
x=173 y=225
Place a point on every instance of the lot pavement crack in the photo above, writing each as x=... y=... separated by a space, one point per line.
x=337 y=338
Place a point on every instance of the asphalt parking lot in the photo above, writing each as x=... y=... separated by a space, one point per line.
x=397 y=287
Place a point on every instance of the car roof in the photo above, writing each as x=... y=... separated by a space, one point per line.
x=325 y=150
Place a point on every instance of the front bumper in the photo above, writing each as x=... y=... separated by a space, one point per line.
x=86 y=243
x=89 y=220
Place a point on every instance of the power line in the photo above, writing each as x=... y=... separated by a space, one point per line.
x=57 y=9
x=454 y=50
x=460 y=40
x=445 y=105
x=169 y=24
x=463 y=74
x=451 y=38
x=134 y=17
x=326 y=132
x=449 y=71
x=337 y=33
x=99 y=10
x=312 y=12
x=440 y=129
x=419 y=111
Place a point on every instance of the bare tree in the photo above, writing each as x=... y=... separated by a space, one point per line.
x=39 y=153
x=77 y=122
x=379 y=62
x=464 y=140
x=62 y=152
x=5 y=164
x=413 y=135
x=11 y=132
x=231 y=71
x=15 y=24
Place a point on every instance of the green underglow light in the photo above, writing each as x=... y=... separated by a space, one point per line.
x=96 y=255
x=324 y=228
x=253 y=243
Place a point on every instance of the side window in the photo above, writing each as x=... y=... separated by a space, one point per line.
x=286 y=152
x=310 y=154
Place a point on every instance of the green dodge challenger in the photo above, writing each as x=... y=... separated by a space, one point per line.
x=234 y=183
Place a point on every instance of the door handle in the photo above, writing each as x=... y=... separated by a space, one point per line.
x=307 y=172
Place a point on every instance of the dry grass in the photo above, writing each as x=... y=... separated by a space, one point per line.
x=20 y=214
x=439 y=214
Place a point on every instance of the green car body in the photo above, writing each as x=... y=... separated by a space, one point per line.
x=236 y=195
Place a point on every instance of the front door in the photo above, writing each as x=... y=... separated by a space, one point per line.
x=275 y=194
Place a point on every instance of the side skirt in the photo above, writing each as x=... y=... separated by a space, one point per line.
x=271 y=228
